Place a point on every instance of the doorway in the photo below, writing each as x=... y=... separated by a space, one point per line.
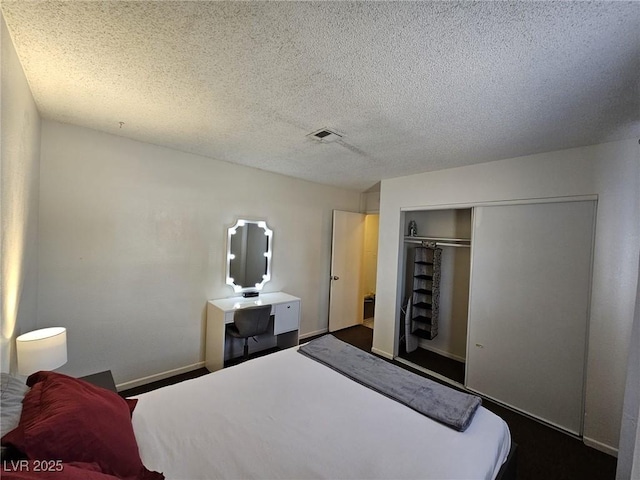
x=354 y=259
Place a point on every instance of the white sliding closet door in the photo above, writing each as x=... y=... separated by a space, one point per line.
x=529 y=304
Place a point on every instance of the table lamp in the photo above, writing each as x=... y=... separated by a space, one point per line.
x=44 y=349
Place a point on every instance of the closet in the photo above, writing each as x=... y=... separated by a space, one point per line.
x=436 y=259
x=514 y=298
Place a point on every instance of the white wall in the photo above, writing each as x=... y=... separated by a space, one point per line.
x=629 y=456
x=370 y=254
x=132 y=242
x=19 y=171
x=612 y=171
x=370 y=202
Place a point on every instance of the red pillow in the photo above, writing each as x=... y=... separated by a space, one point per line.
x=70 y=420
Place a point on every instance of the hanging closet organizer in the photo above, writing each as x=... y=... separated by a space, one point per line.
x=426 y=291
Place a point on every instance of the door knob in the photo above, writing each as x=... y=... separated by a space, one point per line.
x=335 y=277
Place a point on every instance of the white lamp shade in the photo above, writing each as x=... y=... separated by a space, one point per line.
x=44 y=349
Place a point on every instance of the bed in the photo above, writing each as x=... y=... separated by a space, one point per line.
x=288 y=416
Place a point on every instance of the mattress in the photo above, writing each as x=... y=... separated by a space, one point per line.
x=287 y=416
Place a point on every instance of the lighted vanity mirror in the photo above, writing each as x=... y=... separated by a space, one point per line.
x=248 y=255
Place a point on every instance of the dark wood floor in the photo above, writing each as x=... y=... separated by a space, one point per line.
x=132 y=392
x=543 y=452
x=437 y=363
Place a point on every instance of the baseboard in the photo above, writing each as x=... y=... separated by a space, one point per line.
x=381 y=353
x=590 y=442
x=158 y=376
x=444 y=353
x=313 y=334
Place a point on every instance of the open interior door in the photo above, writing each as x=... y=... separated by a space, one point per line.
x=346 y=300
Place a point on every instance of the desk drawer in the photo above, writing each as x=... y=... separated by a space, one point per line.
x=287 y=317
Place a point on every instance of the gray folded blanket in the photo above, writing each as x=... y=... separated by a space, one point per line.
x=438 y=402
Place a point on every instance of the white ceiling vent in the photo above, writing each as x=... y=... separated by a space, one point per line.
x=325 y=135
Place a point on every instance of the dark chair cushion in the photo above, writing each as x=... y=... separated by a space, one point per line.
x=250 y=321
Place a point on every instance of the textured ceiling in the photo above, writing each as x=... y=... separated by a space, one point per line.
x=412 y=86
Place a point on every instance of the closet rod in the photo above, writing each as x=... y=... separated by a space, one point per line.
x=438 y=239
x=439 y=244
x=444 y=244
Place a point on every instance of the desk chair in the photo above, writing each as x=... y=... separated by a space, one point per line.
x=249 y=322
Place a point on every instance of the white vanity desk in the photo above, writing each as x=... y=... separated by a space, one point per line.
x=285 y=309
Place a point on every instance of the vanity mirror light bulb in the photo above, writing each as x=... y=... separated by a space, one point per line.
x=241 y=223
x=232 y=231
x=231 y=256
x=262 y=225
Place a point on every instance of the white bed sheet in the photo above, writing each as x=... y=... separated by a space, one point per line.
x=286 y=416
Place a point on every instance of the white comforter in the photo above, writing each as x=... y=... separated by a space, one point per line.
x=286 y=416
